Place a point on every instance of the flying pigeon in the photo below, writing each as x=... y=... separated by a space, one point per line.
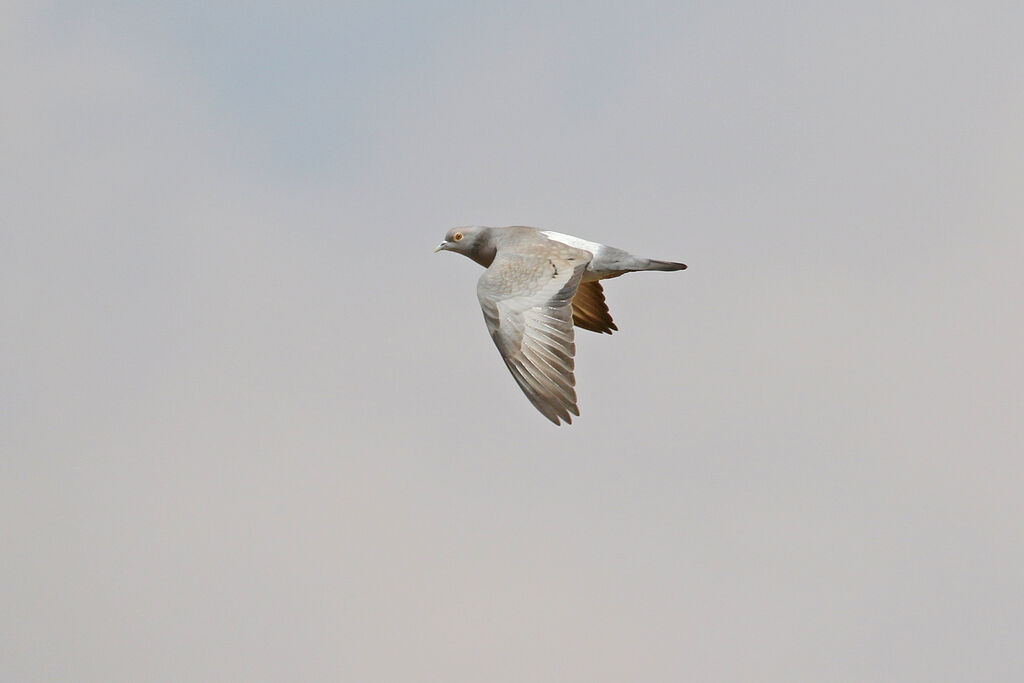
x=537 y=285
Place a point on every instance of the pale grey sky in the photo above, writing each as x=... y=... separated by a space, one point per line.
x=252 y=429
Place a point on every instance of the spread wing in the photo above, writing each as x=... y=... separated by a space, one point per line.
x=589 y=309
x=526 y=298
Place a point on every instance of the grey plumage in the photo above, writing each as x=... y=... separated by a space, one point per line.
x=537 y=286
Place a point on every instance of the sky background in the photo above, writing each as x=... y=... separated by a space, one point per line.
x=252 y=429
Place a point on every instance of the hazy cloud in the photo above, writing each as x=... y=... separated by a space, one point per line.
x=252 y=429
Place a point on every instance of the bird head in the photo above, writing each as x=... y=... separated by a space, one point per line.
x=458 y=239
x=472 y=241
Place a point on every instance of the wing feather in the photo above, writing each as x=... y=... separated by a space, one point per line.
x=527 y=304
x=589 y=309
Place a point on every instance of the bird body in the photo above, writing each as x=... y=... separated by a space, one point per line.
x=537 y=286
x=606 y=262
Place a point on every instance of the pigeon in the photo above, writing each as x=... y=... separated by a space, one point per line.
x=537 y=286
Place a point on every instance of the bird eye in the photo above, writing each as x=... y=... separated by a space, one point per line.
x=457 y=236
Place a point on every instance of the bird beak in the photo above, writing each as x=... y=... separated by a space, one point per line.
x=441 y=247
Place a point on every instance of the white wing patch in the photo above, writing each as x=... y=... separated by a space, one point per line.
x=575 y=242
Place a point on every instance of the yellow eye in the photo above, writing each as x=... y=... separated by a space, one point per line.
x=457 y=236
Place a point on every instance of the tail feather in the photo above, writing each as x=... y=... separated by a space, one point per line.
x=664 y=265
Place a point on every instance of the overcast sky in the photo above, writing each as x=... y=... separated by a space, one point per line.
x=252 y=429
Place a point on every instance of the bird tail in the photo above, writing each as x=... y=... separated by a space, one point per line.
x=663 y=265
